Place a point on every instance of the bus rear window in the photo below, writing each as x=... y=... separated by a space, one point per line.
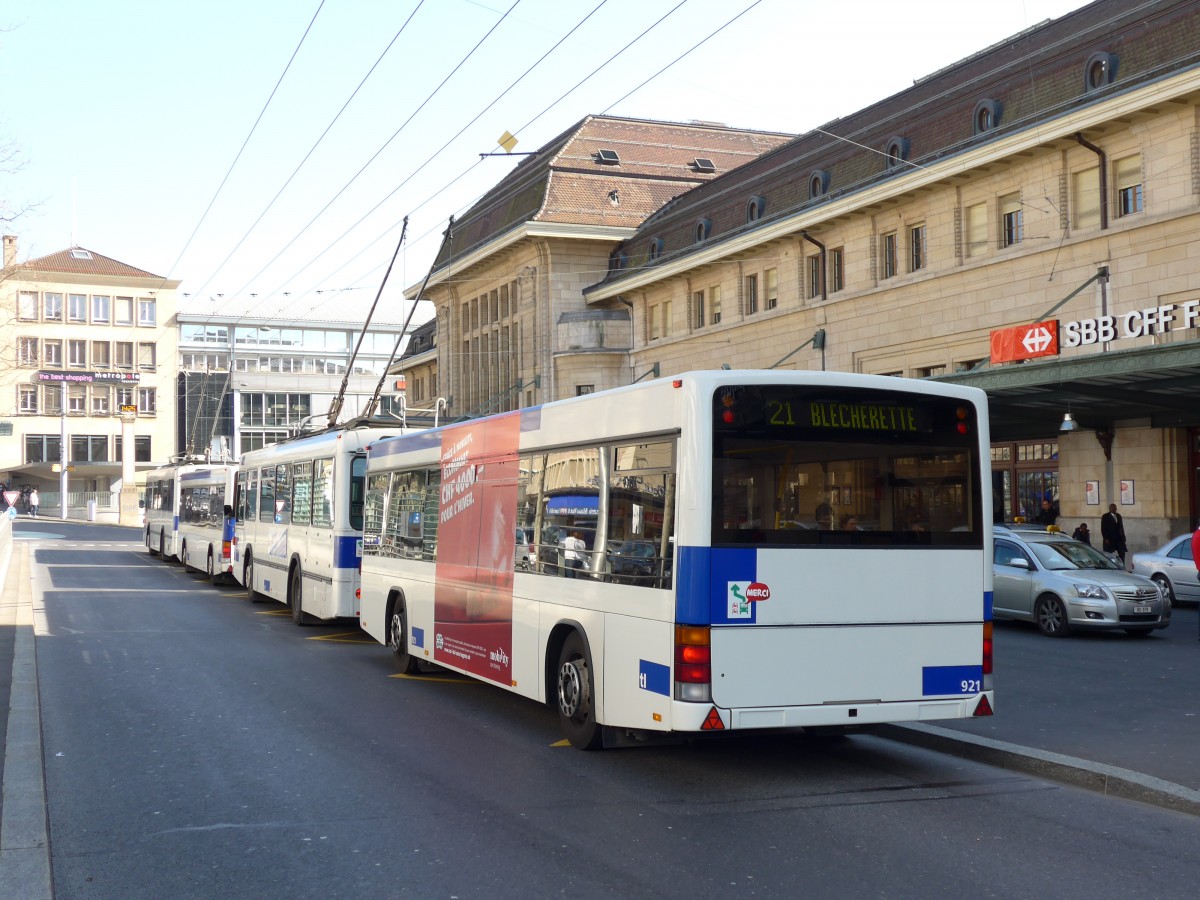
x=844 y=467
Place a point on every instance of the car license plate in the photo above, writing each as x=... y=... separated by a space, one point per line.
x=1143 y=609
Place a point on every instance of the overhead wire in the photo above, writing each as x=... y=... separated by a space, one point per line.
x=246 y=142
x=479 y=161
x=455 y=137
x=375 y=156
x=314 y=147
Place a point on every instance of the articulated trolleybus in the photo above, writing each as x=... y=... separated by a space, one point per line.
x=185 y=515
x=298 y=534
x=746 y=550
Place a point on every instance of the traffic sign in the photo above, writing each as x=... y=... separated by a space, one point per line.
x=1025 y=342
x=11 y=497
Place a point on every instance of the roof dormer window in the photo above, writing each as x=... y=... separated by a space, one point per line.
x=895 y=152
x=703 y=165
x=1099 y=71
x=608 y=158
x=703 y=230
x=986 y=115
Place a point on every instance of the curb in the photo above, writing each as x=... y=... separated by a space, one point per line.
x=24 y=830
x=1109 y=780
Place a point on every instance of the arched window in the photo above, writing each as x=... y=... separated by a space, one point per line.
x=654 y=250
x=703 y=230
x=755 y=207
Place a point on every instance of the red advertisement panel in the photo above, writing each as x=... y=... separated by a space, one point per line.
x=476 y=539
x=1025 y=342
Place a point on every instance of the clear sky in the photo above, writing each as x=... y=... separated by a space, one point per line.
x=122 y=119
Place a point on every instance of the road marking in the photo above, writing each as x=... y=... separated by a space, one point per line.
x=341 y=638
x=274 y=612
x=446 y=679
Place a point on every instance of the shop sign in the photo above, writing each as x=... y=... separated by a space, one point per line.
x=91 y=377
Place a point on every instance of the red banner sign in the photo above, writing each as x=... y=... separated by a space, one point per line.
x=1025 y=342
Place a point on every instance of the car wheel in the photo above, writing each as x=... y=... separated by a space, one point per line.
x=1051 y=617
x=1164 y=585
x=576 y=695
x=405 y=662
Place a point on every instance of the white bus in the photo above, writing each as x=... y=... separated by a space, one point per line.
x=184 y=514
x=204 y=533
x=711 y=588
x=298 y=529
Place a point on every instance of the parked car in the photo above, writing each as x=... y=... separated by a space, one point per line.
x=638 y=562
x=1171 y=566
x=1061 y=584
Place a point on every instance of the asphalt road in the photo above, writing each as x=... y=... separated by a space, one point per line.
x=197 y=745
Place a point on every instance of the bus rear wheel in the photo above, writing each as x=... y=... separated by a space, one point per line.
x=576 y=695
x=210 y=568
x=149 y=548
x=183 y=557
x=405 y=662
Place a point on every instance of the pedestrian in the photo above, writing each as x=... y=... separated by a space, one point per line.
x=1049 y=515
x=1082 y=534
x=824 y=516
x=1112 y=530
x=848 y=522
x=574 y=548
x=34 y=502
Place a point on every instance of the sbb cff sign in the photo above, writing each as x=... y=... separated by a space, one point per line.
x=1025 y=342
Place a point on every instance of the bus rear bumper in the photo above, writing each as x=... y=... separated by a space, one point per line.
x=696 y=716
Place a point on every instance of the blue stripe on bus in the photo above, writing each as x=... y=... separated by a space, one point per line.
x=954 y=680
x=702 y=584
x=175 y=523
x=654 y=677
x=347 y=551
x=987 y=606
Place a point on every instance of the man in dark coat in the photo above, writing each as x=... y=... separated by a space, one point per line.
x=1112 y=529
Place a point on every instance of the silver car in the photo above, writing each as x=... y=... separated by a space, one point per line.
x=1059 y=584
x=1172 y=568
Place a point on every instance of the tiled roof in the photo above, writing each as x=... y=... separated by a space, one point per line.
x=566 y=181
x=1034 y=77
x=78 y=261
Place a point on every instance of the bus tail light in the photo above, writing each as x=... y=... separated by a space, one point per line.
x=693 y=664
x=226 y=549
x=987 y=653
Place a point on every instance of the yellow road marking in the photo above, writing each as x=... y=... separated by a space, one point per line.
x=443 y=679
x=341 y=638
x=563 y=743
